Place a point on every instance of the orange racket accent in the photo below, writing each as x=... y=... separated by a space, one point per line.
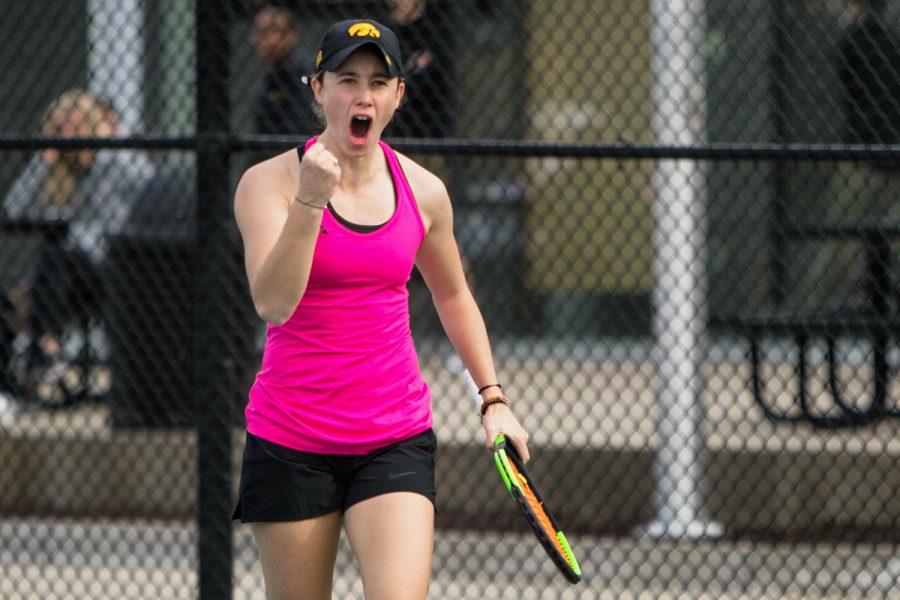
x=538 y=507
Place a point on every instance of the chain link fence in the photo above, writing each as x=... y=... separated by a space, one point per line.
x=681 y=220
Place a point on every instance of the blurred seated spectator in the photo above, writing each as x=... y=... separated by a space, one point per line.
x=76 y=199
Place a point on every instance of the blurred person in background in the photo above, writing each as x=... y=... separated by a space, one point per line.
x=867 y=63
x=284 y=105
x=869 y=68
x=88 y=194
x=425 y=31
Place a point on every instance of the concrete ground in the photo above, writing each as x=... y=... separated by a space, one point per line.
x=58 y=560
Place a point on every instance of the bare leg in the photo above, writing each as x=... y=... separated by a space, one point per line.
x=392 y=537
x=298 y=557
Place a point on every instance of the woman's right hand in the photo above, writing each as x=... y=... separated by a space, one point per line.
x=320 y=173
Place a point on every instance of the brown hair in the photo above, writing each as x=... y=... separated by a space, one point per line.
x=64 y=173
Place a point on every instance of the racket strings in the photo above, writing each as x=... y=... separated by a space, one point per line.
x=537 y=507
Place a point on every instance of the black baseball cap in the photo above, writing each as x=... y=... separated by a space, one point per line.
x=344 y=37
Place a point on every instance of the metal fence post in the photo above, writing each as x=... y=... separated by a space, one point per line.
x=115 y=35
x=680 y=273
x=210 y=357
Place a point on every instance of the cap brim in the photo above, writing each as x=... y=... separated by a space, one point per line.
x=339 y=57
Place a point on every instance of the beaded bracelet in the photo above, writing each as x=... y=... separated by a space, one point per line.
x=501 y=399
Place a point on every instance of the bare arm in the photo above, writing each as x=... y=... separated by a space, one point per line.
x=439 y=262
x=277 y=211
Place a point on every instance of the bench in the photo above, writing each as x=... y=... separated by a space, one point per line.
x=878 y=322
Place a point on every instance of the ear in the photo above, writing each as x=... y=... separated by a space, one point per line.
x=316 y=86
x=401 y=90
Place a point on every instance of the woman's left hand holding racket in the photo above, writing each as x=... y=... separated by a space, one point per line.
x=498 y=418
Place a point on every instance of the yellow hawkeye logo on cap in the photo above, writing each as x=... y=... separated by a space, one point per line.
x=364 y=29
x=318 y=58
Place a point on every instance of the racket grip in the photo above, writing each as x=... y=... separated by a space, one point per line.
x=473 y=389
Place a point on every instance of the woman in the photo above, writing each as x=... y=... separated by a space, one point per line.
x=339 y=418
x=90 y=193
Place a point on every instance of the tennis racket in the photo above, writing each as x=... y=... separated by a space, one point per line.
x=529 y=501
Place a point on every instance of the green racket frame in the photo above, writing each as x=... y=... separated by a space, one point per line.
x=509 y=463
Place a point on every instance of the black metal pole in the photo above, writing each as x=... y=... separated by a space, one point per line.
x=880 y=292
x=211 y=358
x=780 y=200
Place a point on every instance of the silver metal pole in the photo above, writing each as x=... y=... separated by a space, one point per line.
x=679 y=295
x=116 y=57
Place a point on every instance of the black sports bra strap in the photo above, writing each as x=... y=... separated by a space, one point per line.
x=300 y=150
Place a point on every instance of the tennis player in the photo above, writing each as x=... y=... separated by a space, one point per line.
x=339 y=421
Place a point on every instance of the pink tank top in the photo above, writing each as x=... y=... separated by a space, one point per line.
x=341 y=376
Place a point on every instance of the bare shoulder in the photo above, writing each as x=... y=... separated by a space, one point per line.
x=270 y=183
x=429 y=190
x=273 y=174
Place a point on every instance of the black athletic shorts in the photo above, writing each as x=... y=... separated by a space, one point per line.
x=282 y=484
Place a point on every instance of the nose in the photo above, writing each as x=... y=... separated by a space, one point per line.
x=364 y=97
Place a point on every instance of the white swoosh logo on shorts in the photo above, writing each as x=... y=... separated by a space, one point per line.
x=393 y=476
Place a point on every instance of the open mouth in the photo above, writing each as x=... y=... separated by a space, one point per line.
x=360 y=126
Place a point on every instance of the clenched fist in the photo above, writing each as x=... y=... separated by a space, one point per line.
x=320 y=173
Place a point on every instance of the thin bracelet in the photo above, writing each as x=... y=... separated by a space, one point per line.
x=496 y=385
x=309 y=204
